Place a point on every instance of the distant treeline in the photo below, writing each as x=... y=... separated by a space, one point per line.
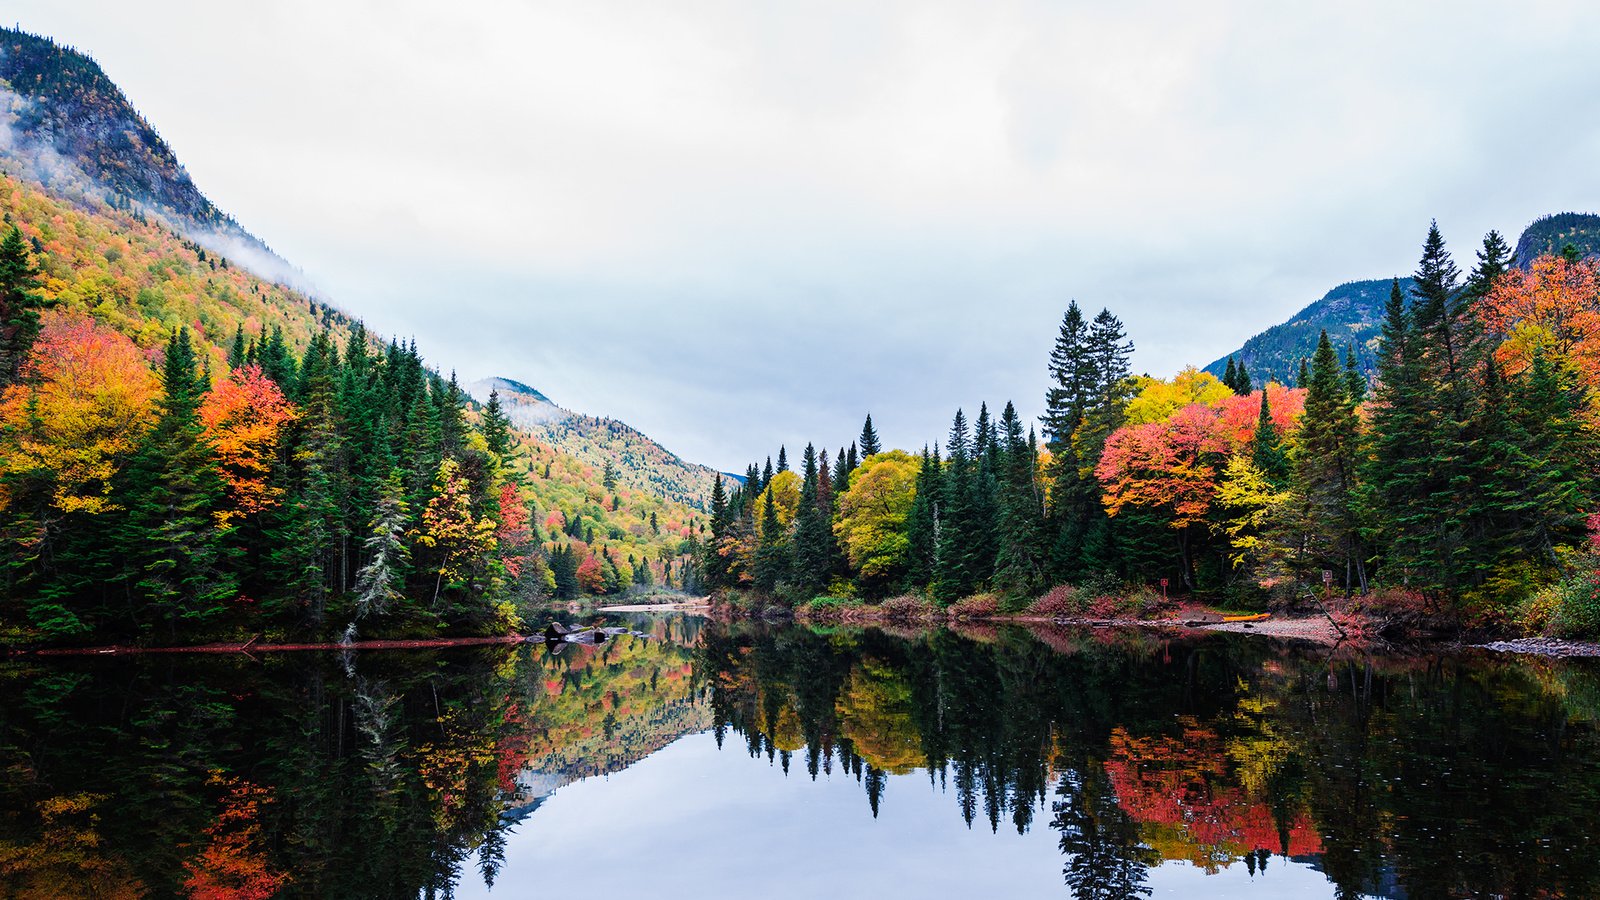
x=1461 y=477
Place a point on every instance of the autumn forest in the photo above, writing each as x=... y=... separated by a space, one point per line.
x=1456 y=481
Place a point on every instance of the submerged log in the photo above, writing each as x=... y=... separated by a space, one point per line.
x=252 y=646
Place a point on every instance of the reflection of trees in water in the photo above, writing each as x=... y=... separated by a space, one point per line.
x=1437 y=778
x=1106 y=859
x=225 y=773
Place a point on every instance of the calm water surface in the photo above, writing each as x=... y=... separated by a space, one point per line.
x=778 y=762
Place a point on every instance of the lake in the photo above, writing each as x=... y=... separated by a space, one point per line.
x=754 y=761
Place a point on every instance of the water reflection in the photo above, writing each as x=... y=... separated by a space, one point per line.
x=1423 y=777
x=1140 y=759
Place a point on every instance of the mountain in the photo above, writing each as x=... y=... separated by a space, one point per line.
x=120 y=232
x=1353 y=312
x=66 y=125
x=640 y=462
x=1551 y=234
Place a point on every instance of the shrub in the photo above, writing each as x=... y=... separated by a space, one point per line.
x=907 y=607
x=1061 y=600
x=1577 y=611
x=978 y=606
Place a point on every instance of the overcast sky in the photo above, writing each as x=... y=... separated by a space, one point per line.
x=738 y=224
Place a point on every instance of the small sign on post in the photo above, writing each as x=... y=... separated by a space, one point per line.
x=1327 y=577
x=1163 y=589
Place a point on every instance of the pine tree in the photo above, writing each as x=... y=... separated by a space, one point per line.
x=608 y=476
x=19 y=305
x=236 y=352
x=922 y=523
x=497 y=428
x=1355 y=383
x=814 y=547
x=1019 y=560
x=1267 y=452
x=381 y=582
x=1446 y=322
x=783 y=458
x=1244 y=386
x=1084 y=539
x=869 y=439
x=1230 y=376
x=311 y=536
x=1494 y=260
x=771 y=562
x=953 y=576
x=179 y=557
x=1325 y=458
x=1071 y=381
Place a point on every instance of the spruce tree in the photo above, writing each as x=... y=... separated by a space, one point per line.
x=783 y=459
x=1230 y=376
x=922 y=524
x=1267 y=452
x=1325 y=478
x=180 y=560
x=1245 y=386
x=771 y=562
x=813 y=545
x=19 y=305
x=381 y=582
x=236 y=351
x=869 y=439
x=1494 y=260
x=497 y=428
x=1020 y=557
x=1071 y=381
x=954 y=577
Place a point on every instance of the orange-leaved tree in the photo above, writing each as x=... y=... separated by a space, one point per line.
x=1553 y=309
x=244 y=417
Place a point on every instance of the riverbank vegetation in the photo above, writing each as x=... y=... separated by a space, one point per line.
x=1457 y=483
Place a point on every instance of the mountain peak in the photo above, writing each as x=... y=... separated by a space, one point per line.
x=639 y=461
x=1552 y=233
x=66 y=125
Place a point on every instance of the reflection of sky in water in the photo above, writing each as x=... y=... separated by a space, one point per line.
x=693 y=822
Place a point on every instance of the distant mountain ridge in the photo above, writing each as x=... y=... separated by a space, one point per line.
x=640 y=462
x=1352 y=313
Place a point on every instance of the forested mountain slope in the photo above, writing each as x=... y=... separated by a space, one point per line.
x=262 y=433
x=1350 y=313
x=640 y=463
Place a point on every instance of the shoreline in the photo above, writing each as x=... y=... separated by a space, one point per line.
x=249 y=647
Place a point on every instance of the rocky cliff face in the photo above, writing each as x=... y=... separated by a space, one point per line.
x=1551 y=234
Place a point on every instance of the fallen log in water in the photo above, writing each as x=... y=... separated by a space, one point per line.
x=251 y=646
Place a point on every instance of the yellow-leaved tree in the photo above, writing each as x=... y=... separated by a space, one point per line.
x=85 y=398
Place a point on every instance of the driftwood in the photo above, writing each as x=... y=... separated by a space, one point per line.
x=252 y=647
